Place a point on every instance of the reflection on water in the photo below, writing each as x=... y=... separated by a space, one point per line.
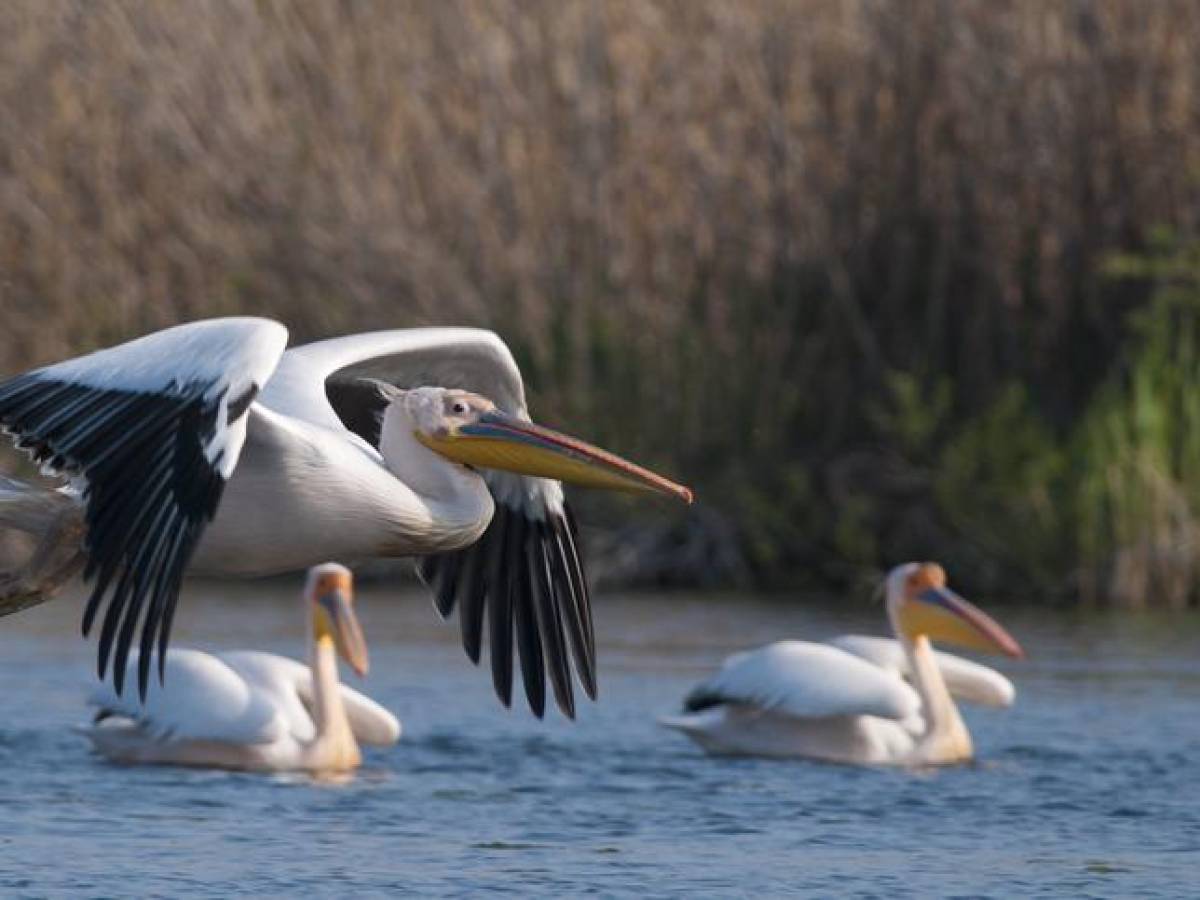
x=1087 y=786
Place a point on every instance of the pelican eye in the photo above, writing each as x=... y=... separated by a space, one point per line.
x=459 y=408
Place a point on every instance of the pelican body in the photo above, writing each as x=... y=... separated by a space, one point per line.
x=859 y=700
x=255 y=711
x=209 y=447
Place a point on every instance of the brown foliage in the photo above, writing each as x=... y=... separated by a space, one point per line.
x=709 y=229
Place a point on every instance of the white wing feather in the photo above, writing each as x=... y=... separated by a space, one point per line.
x=202 y=699
x=470 y=358
x=228 y=355
x=965 y=679
x=807 y=680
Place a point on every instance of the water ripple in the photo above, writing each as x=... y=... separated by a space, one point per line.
x=1085 y=787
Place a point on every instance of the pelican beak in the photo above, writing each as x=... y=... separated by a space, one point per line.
x=347 y=633
x=941 y=614
x=500 y=441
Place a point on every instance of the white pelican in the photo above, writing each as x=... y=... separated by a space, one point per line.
x=256 y=711
x=848 y=701
x=207 y=447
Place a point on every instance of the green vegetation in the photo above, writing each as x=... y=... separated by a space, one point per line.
x=1138 y=445
x=881 y=280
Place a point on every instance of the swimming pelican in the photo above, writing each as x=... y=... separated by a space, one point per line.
x=256 y=711
x=849 y=701
x=206 y=447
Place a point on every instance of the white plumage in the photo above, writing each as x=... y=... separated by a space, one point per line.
x=798 y=678
x=244 y=697
x=289 y=681
x=965 y=679
x=207 y=700
x=246 y=709
x=857 y=699
x=468 y=358
x=797 y=698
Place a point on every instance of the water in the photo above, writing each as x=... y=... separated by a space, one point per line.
x=1089 y=786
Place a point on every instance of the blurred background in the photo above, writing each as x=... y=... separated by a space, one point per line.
x=880 y=280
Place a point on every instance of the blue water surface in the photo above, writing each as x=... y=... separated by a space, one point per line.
x=1089 y=786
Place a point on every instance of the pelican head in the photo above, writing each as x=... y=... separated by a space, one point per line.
x=469 y=429
x=919 y=603
x=330 y=593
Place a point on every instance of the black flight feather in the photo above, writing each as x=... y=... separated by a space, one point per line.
x=496 y=545
x=549 y=623
x=533 y=670
x=470 y=596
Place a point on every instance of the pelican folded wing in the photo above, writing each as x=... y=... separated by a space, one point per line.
x=806 y=680
x=965 y=679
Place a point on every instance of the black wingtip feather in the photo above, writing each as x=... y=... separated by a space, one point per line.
x=573 y=560
x=701 y=699
x=445 y=583
x=533 y=670
x=154 y=609
x=573 y=613
x=427 y=567
x=549 y=622
x=527 y=573
x=499 y=599
x=93 y=606
x=108 y=631
x=470 y=594
x=125 y=638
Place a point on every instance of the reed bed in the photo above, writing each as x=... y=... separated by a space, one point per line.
x=846 y=267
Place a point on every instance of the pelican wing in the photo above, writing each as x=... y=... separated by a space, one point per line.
x=201 y=698
x=965 y=679
x=526 y=569
x=292 y=682
x=150 y=430
x=808 y=681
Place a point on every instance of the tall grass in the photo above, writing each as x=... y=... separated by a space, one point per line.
x=825 y=260
x=1139 y=445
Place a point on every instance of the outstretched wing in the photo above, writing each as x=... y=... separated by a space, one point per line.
x=526 y=570
x=808 y=681
x=965 y=679
x=151 y=430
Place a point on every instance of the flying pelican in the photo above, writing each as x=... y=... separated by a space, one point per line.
x=849 y=701
x=256 y=711
x=208 y=448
